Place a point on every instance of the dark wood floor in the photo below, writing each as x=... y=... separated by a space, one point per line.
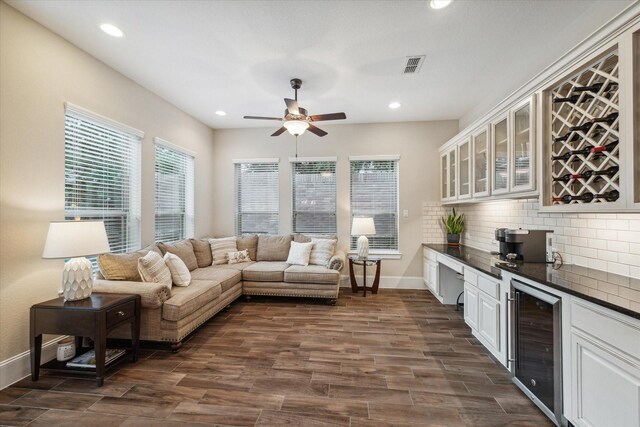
x=396 y=358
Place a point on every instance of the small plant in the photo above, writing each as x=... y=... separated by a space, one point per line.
x=454 y=222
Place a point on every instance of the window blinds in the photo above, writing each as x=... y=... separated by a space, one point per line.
x=174 y=182
x=374 y=193
x=102 y=177
x=314 y=197
x=257 y=198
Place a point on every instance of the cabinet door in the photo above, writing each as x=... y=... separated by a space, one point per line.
x=444 y=176
x=500 y=159
x=489 y=320
x=433 y=277
x=605 y=385
x=452 y=173
x=480 y=160
x=523 y=146
x=464 y=171
x=471 y=305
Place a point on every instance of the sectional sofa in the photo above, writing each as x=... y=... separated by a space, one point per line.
x=170 y=313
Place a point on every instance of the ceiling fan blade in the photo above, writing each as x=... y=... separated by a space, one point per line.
x=263 y=118
x=316 y=130
x=331 y=116
x=292 y=106
x=279 y=131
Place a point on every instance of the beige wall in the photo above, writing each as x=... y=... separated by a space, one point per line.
x=39 y=72
x=416 y=142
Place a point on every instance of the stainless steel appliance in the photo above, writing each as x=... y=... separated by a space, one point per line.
x=528 y=245
x=535 y=358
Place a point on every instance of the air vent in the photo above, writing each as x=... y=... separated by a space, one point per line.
x=414 y=63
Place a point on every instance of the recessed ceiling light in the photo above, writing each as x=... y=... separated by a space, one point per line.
x=221 y=113
x=394 y=105
x=439 y=4
x=112 y=30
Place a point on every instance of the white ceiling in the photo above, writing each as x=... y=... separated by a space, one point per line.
x=238 y=56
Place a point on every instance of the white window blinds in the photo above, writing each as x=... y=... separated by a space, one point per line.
x=174 y=194
x=257 y=197
x=314 y=197
x=374 y=193
x=102 y=176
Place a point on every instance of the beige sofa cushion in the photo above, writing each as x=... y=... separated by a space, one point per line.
x=153 y=269
x=311 y=274
x=249 y=242
x=202 y=251
x=226 y=277
x=303 y=238
x=123 y=266
x=183 y=249
x=186 y=300
x=273 y=248
x=221 y=247
x=239 y=266
x=265 y=271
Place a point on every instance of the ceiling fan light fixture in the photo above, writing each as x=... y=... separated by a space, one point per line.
x=439 y=4
x=296 y=127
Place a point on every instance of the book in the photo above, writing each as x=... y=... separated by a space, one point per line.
x=88 y=359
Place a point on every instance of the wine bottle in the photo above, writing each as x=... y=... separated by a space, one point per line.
x=566 y=156
x=573 y=99
x=587 y=125
x=609 y=196
x=595 y=88
x=584 y=197
x=605 y=172
x=565 y=137
x=608 y=147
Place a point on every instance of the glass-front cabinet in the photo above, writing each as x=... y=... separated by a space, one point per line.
x=480 y=161
x=523 y=146
x=464 y=172
x=448 y=168
x=500 y=163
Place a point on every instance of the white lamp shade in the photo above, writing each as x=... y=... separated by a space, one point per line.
x=363 y=227
x=296 y=127
x=71 y=239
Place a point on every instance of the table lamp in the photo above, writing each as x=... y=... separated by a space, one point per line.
x=363 y=227
x=75 y=240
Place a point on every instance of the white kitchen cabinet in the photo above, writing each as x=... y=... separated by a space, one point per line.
x=523 y=150
x=448 y=173
x=489 y=320
x=500 y=150
x=464 y=169
x=430 y=270
x=480 y=162
x=471 y=305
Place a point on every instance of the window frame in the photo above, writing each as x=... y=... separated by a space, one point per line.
x=292 y=162
x=238 y=163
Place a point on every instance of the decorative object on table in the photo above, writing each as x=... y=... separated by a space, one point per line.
x=66 y=349
x=76 y=240
x=454 y=224
x=363 y=227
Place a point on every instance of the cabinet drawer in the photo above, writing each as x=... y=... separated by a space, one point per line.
x=470 y=276
x=428 y=254
x=120 y=313
x=489 y=287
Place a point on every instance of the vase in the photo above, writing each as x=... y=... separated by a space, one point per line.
x=453 y=239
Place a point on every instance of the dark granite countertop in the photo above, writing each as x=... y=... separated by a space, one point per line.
x=475 y=258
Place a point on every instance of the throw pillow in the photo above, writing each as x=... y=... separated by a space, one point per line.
x=238 y=256
x=184 y=249
x=180 y=274
x=202 y=250
x=153 y=269
x=221 y=247
x=299 y=253
x=322 y=251
x=123 y=266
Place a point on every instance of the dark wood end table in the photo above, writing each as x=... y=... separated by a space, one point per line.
x=92 y=317
x=364 y=262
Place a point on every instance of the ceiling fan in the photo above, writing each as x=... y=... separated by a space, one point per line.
x=296 y=119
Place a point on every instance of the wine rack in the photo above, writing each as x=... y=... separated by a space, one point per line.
x=585 y=160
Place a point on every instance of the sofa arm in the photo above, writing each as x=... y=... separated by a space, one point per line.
x=152 y=295
x=337 y=260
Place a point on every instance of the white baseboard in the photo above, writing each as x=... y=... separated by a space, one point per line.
x=389 y=282
x=18 y=367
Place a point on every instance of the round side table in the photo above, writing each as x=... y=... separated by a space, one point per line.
x=364 y=262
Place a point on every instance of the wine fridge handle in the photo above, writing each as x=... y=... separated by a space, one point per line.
x=513 y=357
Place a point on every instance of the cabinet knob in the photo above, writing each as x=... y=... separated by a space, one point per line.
x=120 y=313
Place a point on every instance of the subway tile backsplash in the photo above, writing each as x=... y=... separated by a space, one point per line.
x=608 y=242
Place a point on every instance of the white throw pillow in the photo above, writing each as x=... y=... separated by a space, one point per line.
x=180 y=274
x=299 y=253
x=238 y=256
x=221 y=247
x=323 y=250
x=153 y=269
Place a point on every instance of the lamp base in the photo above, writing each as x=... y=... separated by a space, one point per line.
x=363 y=247
x=77 y=279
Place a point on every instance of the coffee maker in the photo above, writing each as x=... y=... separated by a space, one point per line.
x=528 y=245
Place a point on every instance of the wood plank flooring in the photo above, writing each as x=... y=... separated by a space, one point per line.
x=396 y=358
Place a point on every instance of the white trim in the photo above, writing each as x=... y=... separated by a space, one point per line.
x=18 y=367
x=312 y=159
x=172 y=146
x=69 y=107
x=265 y=160
x=379 y=253
x=379 y=157
x=388 y=282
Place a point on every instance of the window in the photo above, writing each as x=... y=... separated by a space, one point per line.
x=102 y=175
x=374 y=193
x=257 y=196
x=174 y=193
x=314 y=196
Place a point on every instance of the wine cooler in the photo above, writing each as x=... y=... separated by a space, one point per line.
x=584 y=140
